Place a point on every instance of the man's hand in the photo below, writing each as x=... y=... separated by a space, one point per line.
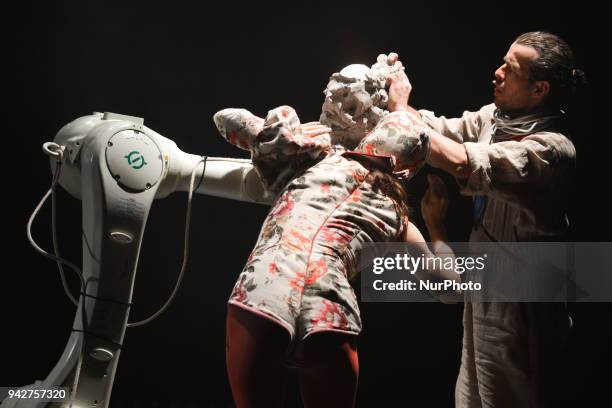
x=434 y=206
x=399 y=85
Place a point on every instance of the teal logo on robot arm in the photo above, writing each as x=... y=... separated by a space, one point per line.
x=135 y=159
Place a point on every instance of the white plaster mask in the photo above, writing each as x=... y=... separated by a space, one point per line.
x=356 y=100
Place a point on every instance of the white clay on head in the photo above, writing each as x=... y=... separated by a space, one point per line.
x=355 y=101
x=357 y=71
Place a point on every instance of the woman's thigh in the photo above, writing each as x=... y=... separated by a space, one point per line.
x=329 y=370
x=255 y=354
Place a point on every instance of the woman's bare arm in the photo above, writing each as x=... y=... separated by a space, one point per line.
x=434 y=206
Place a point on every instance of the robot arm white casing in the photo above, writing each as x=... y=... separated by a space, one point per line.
x=116 y=166
x=231 y=178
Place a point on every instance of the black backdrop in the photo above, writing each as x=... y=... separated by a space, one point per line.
x=175 y=64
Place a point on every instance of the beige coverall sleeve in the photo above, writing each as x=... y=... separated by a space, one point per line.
x=516 y=171
x=467 y=128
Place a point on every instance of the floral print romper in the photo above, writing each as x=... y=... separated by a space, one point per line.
x=327 y=206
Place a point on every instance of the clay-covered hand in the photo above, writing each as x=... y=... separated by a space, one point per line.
x=238 y=126
x=399 y=91
x=314 y=129
x=387 y=64
x=396 y=79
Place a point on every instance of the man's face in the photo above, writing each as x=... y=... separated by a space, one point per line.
x=513 y=89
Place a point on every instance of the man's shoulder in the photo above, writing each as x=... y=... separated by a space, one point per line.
x=487 y=110
x=557 y=140
x=482 y=115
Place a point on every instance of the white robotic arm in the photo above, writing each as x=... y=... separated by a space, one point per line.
x=223 y=177
x=117 y=166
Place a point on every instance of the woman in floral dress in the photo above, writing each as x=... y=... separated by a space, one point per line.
x=293 y=300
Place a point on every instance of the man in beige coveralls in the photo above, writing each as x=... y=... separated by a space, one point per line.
x=514 y=159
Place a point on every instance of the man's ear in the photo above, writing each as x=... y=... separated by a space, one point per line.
x=541 y=89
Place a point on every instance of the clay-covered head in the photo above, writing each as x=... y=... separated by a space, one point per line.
x=356 y=100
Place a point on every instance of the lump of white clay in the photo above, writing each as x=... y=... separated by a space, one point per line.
x=356 y=100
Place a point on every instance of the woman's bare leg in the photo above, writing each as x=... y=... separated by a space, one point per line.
x=255 y=356
x=329 y=370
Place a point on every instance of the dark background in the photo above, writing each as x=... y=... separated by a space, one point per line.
x=175 y=65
